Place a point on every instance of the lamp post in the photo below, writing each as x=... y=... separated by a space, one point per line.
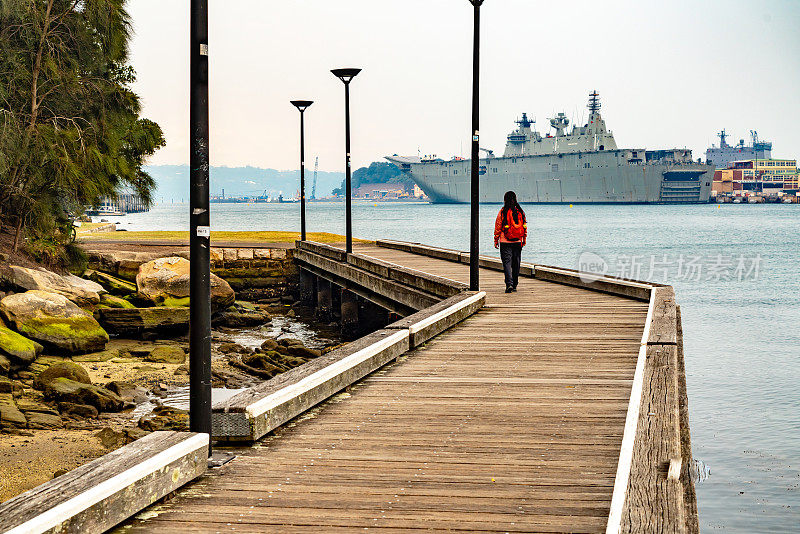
x=347 y=75
x=199 y=229
x=474 y=238
x=302 y=106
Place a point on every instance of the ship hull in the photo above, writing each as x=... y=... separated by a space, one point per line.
x=571 y=178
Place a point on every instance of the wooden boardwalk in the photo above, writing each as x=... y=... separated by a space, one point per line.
x=509 y=422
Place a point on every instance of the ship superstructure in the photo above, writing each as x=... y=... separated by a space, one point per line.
x=582 y=165
x=721 y=156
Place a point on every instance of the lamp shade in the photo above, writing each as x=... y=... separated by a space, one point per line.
x=345 y=74
x=302 y=105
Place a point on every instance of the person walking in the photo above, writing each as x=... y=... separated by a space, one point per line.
x=510 y=235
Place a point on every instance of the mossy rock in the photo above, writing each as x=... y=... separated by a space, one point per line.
x=10 y=415
x=66 y=390
x=42 y=363
x=75 y=335
x=172 y=302
x=44 y=421
x=166 y=354
x=134 y=321
x=303 y=352
x=53 y=320
x=112 y=284
x=242 y=305
x=165 y=282
x=18 y=347
x=110 y=301
x=70 y=370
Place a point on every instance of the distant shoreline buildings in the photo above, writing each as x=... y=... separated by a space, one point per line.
x=744 y=169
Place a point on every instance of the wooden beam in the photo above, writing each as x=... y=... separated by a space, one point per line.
x=258 y=410
x=106 y=491
x=437 y=285
x=434 y=320
x=605 y=284
x=390 y=289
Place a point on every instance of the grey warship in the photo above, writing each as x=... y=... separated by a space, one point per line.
x=582 y=166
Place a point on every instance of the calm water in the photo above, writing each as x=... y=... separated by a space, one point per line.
x=735 y=270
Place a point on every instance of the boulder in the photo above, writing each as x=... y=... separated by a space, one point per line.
x=165 y=418
x=66 y=390
x=270 y=344
x=128 y=391
x=166 y=354
x=44 y=362
x=44 y=421
x=54 y=320
x=235 y=318
x=10 y=416
x=110 y=301
x=229 y=348
x=137 y=320
x=85 y=411
x=110 y=438
x=165 y=282
x=70 y=370
x=303 y=352
x=80 y=291
x=17 y=347
x=5 y=365
x=28 y=406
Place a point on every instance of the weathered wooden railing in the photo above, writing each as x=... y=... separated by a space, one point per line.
x=653 y=489
x=441 y=302
x=110 y=489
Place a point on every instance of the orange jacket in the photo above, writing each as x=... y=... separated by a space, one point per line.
x=499 y=235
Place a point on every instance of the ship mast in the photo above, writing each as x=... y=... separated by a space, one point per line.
x=594 y=102
x=722 y=142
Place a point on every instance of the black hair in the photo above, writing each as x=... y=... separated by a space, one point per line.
x=510 y=203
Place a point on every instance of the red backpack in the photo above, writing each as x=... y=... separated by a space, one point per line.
x=514 y=230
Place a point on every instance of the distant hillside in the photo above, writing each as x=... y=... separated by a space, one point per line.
x=173 y=181
x=379 y=172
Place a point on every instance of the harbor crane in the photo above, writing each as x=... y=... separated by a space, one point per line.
x=314 y=185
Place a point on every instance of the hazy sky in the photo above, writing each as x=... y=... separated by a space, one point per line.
x=670 y=74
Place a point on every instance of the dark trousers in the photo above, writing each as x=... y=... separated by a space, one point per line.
x=511 y=254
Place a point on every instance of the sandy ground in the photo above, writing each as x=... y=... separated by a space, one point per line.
x=32 y=460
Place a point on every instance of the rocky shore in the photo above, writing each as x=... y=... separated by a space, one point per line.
x=89 y=363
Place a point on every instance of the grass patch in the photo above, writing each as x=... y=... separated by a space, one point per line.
x=85 y=227
x=265 y=237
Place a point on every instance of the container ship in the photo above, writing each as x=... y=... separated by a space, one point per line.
x=579 y=166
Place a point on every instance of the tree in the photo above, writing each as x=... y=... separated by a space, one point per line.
x=70 y=131
x=376 y=173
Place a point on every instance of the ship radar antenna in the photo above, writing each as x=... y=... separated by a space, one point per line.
x=594 y=102
x=524 y=122
x=722 y=141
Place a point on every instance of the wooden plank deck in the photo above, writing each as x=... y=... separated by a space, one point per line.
x=509 y=422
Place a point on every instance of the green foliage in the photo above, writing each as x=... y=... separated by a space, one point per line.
x=70 y=131
x=376 y=173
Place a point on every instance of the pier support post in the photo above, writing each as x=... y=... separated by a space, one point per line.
x=324 y=299
x=349 y=310
x=307 y=287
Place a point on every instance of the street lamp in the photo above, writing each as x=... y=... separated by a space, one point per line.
x=302 y=106
x=347 y=75
x=199 y=231
x=474 y=238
